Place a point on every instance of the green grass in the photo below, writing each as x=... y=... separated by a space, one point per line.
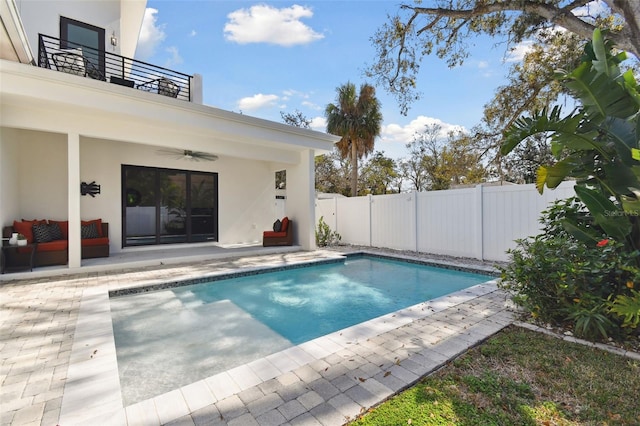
x=520 y=377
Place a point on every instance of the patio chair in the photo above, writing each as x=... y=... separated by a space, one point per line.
x=281 y=235
x=163 y=86
x=72 y=61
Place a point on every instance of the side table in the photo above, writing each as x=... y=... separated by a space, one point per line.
x=29 y=249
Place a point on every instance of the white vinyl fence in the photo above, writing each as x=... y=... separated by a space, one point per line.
x=480 y=222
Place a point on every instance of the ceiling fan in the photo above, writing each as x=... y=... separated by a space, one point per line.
x=187 y=154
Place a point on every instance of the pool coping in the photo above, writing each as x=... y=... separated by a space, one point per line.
x=92 y=393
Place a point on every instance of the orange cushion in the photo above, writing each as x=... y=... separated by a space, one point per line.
x=102 y=241
x=98 y=223
x=24 y=228
x=64 y=227
x=271 y=234
x=56 y=245
x=36 y=221
x=285 y=224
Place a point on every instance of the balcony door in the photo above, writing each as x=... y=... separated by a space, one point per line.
x=75 y=34
x=165 y=206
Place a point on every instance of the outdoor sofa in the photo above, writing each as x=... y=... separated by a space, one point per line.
x=282 y=234
x=51 y=238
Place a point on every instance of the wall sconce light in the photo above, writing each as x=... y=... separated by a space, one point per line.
x=114 y=39
x=89 y=189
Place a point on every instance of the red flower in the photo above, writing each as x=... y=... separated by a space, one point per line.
x=602 y=243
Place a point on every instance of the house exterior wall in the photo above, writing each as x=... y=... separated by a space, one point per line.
x=44 y=17
x=42 y=175
x=37 y=183
x=245 y=188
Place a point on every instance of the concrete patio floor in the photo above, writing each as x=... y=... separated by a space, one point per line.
x=58 y=362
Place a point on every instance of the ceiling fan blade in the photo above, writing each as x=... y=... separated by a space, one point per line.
x=187 y=154
x=197 y=156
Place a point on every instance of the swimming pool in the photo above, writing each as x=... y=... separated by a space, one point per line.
x=172 y=337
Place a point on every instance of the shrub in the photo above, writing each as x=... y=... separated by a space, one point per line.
x=564 y=281
x=325 y=236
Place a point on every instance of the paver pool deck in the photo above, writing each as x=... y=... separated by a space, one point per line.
x=59 y=366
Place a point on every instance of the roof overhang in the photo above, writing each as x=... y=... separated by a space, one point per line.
x=46 y=100
x=14 y=45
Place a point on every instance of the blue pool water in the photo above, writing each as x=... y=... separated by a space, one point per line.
x=172 y=337
x=305 y=303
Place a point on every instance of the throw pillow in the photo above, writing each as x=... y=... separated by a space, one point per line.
x=24 y=228
x=64 y=227
x=98 y=223
x=55 y=231
x=41 y=233
x=89 y=231
x=277 y=225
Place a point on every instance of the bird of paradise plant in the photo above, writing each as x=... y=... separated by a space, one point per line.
x=597 y=144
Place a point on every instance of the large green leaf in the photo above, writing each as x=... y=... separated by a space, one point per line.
x=539 y=122
x=620 y=178
x=586 y=235
x=553 y=176
x=567 y=140
x=605 y=213
x=631 y=203
x=566 y=132
x=601 y=63
x=595 y=201
x=600 y=96
x=623 y=134
x=600 y=86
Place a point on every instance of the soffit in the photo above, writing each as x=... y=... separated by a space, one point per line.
x=13 y=40
x=67 y=103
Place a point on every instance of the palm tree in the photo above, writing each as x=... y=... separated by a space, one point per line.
x=357 y=120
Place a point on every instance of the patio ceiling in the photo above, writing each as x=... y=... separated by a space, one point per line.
x=43 y=100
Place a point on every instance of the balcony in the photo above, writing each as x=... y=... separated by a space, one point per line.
x=84 y=61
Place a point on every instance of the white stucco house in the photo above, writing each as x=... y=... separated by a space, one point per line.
x=75 y=109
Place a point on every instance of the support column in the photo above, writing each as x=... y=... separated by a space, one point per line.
x=301 y=200
x=73 y=177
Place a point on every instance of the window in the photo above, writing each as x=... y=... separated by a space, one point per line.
x=75 y=34
x=163 y=206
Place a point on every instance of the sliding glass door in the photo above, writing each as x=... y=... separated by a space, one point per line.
x=164 y=206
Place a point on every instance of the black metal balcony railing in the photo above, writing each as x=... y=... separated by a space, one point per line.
x=73 y=58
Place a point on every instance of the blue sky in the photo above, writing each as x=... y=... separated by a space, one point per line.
x=261 y=58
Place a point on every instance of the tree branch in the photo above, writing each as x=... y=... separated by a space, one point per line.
x=403 y=47
x=559 y=16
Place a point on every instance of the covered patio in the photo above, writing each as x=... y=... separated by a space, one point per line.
x=59 y=131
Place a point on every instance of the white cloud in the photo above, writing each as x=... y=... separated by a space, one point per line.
x=193 y=33
x=517 y=52
x=267 y=24
x=319 y=124
x=151 y=34
x=174 y=58
x=311 y=105
x=592 y=9
x=483 y=64
x=396 y=134
x=257 y=102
